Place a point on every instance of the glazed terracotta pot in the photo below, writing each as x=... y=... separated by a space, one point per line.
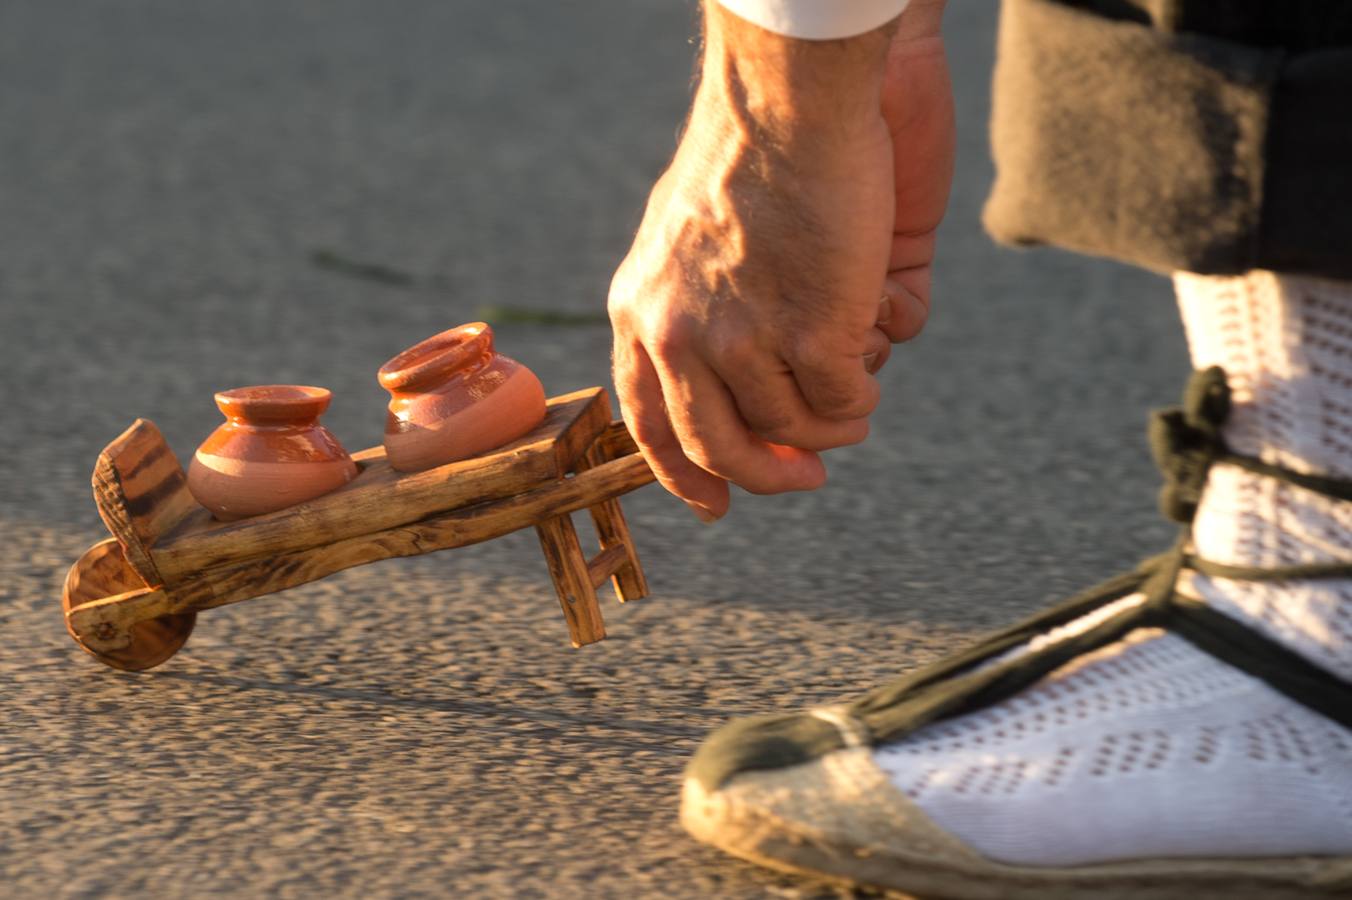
x=271 y=452
x=453 y=397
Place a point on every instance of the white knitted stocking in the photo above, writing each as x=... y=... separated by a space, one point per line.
x=1286 y=346
x=1150 y=747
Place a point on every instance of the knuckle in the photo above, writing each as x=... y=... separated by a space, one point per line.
x=621 y=291
x=669 y=343
x=785 y=436
x=708 y=458
x=805 y=350
x=713 y=457
x=651 y=435
x=859 y=408
x=837 y=402
x=846 y=434
x=776 y=430
x=768 y=419
x=731 y=344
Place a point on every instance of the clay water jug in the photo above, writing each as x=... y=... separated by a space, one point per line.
x=271 y=452
x=452 y=397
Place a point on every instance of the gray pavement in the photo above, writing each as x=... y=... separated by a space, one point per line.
x=176 y=181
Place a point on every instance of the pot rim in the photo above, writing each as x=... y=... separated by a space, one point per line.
x=274 y=403
x=436 y=359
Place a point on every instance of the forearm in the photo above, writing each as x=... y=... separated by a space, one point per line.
x=784 y=88
x=755 y=306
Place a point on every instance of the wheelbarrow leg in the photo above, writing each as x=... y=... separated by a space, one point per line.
x=572 y=580
x=613 y=532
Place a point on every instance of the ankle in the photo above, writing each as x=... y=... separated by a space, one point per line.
x=1285 y=343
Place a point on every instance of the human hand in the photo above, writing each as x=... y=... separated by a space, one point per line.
x=745 y=313
x=917 y=104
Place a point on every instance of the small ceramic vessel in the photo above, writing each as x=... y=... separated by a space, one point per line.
x=453 y=397
x=271 y=452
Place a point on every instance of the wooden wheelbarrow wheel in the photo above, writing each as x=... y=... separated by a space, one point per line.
x=102 y=572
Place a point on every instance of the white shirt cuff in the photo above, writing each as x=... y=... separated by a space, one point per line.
x=817 y=20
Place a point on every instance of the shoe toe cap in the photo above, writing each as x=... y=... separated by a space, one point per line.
x=760 y=743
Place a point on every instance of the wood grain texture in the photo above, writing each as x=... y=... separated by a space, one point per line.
x=141 y=494
x=115 y=617
x=615 y=441
x=572 y=580
x=608 y=517
x=231 y=584
x=603 y=566
x=380 y=498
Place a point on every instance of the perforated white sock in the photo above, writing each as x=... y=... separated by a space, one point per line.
x=1150 y=747
x=1286 y=346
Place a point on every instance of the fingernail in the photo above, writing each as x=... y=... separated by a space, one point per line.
x=702 y=513
x=885 y=310
x=870 y=362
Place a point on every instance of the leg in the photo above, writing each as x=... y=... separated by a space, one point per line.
x=1140 y=755
x=1286 y=344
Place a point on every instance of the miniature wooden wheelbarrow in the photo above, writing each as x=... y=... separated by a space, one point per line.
x=132 y=600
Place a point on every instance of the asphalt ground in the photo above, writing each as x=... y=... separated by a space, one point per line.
x=198 y=195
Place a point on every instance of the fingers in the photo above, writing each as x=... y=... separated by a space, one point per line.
x=713 y=435
x=903 y=312
x=640 y=394
x=770 y=403
x=877 y=350
x=687 y=424
x=906 y=291
x=833 y=382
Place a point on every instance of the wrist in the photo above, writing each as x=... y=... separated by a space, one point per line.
x=817 y=20
x=786 y=87
x=922 y=20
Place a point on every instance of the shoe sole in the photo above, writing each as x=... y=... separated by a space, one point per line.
x=768 y=838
